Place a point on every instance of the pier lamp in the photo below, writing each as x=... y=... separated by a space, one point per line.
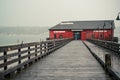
x=118 y=18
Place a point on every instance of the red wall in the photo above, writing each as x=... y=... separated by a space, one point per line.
x=65 y=34
x=98 y=34
x=95 y=34
x=83 y=35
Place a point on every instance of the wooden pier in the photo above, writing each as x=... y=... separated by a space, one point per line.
x=16 y=58
x=73 y=61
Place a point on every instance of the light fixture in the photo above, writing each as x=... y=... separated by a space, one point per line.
x=118 y=18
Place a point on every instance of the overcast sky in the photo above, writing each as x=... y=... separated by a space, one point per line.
x=51 y=12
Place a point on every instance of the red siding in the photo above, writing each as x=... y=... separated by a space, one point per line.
x=64 y=34
x=83 y=35
x=96 y=34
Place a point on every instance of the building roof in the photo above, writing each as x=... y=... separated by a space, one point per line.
x=79 y=25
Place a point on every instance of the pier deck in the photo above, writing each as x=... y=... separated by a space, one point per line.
x=71 y=62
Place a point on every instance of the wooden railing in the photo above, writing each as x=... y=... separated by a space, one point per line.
x=107 y=44
x=14 y=58
x=106 y=63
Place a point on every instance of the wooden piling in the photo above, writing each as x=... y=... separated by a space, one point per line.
x=107 y=60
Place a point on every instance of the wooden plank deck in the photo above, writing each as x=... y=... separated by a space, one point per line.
x=71 y=62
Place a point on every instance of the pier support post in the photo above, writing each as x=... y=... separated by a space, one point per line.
x=107 y=61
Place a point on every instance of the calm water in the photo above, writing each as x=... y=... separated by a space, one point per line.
x=15 y=35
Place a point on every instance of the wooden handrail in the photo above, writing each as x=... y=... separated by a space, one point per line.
x=107 y=44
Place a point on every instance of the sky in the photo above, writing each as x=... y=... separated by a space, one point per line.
x=51 y=12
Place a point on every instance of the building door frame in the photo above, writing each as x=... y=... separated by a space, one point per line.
x=77 y=35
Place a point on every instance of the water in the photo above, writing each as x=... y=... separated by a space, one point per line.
x=15 y=35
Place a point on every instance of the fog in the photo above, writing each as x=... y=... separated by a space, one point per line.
x=50 y=12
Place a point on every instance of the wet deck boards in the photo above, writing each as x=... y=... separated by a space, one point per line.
x=71 y=62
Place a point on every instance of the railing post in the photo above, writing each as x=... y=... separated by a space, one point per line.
x=29 y=52
x=48 y=46
x=54 y=43
x=5 y=60
x=41 y=48
x=35 y=50
x=119 y=49
x=44 y=47
x=19 y=62
x=19 y=50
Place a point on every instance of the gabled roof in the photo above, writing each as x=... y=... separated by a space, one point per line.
x=79 y=25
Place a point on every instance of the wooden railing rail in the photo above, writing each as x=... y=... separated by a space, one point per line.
x=107 y=44
x=14 y=58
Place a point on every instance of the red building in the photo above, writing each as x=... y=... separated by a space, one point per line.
x=100 y=29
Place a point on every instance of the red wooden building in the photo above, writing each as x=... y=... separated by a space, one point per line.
x=100 y=29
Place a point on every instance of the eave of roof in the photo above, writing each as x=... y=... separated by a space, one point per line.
x=85 y=25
